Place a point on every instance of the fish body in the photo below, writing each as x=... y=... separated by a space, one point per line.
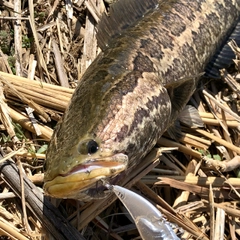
x=134 y=90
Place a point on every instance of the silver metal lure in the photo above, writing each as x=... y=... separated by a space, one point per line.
x=149 y=221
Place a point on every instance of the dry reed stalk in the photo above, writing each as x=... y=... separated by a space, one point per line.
x=173 y=163
x=170 y=143
x=219 y=140
x=201 y=181
x=199 y=139
x=184 y=195
x=40 y=58
x=233 y=227
x=40 y=93
x=18 y=37
x=219 y=224
x=25 y=100
x=232 y=83
x=13 y=18
x=7 y=4
x=222 y=106
x=32 y=64
x=59 y=35
x=228 y=209
x=23 y=200
x=26 y=123
x=50 y=100
x=30 y=155
x=211 y=102
x=11 y=232
x=90 y=48
x=212 y=214
x=211 y=116
x=214 y=122
x=186 y=187
x=16 y=79
x=91 y=7
x=5 y=118
x=192 y=142
x=214 y=104
x=5 y=60
x=11 y=154
x=62 y=76
x=201 y=191
x=37 y=178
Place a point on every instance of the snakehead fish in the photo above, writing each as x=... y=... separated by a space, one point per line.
x=153 y=51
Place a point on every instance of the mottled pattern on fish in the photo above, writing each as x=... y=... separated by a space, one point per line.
x=135 y=88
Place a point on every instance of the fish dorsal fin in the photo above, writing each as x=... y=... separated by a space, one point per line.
x=122 y=14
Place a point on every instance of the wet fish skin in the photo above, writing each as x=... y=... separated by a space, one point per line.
x=133 y=92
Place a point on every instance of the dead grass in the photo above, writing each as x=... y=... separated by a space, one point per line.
x=53 y=43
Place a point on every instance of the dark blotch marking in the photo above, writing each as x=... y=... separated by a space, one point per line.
x=174 y=72
x=202 y=38
x=139 y=115
x=219 y=8
x=113 y=98
x=97 y=77
x=152 y=103
x=177 y=30
x=106 y=61
x=170 y=20
x=131 y=148
x=196 y=5
x=141 y=141
x=214 y=18
x=143 y=63
x=165 y=40
x=129 y=82
x=229 y=4
x=185 y=11
x=116 y=69
x=153 y=49
x=190 y=54
x=123 y=87
x=122 y=134
x=126 y=131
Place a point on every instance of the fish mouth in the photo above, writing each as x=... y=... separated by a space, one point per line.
x=85 y=176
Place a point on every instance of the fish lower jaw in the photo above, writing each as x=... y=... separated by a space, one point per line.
x=76 y=183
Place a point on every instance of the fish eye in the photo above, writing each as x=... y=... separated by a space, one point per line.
x=88 y=146
x=92 y=147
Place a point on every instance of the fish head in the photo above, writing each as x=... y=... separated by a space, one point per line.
x=114 y=118
x=84 y=147
x=81 y=167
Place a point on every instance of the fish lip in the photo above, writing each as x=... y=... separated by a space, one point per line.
x=116 y=161
x=85 y=175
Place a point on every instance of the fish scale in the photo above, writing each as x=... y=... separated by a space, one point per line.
x=134 y=90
